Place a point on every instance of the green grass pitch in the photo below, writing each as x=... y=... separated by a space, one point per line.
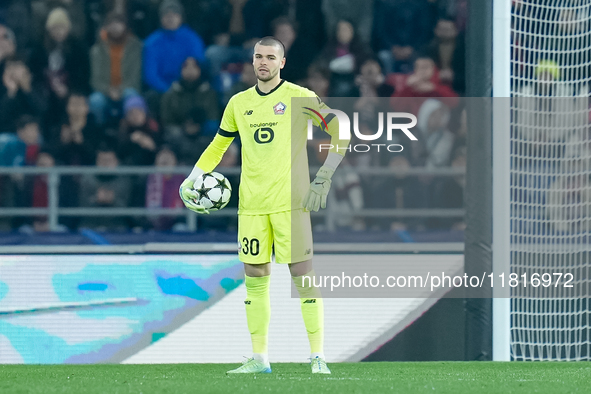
x=373 y=378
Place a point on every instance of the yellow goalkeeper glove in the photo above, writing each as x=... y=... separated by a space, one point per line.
x=319 y=188
x=188 y=195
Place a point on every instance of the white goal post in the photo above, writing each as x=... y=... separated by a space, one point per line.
x=542 y=177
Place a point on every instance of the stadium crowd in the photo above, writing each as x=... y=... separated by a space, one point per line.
x=144 y=83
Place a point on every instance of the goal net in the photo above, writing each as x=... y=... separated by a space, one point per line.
x=550 y=179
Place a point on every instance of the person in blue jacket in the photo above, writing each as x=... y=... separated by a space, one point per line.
x=167 y=48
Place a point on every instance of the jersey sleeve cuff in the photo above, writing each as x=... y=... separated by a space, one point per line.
x=225 y=133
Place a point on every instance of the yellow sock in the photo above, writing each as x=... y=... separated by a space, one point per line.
x=312 y=311
x=258 y=311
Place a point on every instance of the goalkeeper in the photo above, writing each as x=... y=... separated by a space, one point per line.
x=275 y=196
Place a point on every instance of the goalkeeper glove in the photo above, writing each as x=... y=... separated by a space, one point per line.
x=319 y=188
x=188 y=195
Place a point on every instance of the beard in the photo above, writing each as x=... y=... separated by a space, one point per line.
x=268 y=77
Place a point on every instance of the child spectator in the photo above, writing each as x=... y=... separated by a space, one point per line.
x=139 y=135
x=19 y=97
x=166 y=49
x=116 y=67
x=162 y=190
x=190 y=91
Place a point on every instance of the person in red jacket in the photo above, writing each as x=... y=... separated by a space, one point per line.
x=421 y=84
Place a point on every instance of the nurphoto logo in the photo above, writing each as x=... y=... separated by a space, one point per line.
x=345 y=129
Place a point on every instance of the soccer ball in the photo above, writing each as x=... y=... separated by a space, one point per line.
x=213 y=191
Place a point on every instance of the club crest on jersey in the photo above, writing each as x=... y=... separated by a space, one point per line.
x=279 y=108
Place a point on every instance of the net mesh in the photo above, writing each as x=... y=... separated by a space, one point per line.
x=550 y=171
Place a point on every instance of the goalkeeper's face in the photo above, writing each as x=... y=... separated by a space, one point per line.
x=267 y=61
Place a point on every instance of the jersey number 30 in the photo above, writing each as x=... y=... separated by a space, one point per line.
x=250 y=246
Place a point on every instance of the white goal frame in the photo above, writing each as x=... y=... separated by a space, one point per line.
x=501 y=204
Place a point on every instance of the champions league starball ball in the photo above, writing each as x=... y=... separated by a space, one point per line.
x=214 y=191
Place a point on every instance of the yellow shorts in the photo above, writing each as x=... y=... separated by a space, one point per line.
x=290 y=232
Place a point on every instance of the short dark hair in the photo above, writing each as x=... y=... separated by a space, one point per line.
x=271 y=41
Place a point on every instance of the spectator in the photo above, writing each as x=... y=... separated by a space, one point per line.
x=344 y=54
x=371 y=80
x=252 y=19
x=142 y=15
x=247 y=80
x=318 y=80
x=209 y=18
x=116 y=66
x=78 y=134
x=76 y=9
x=423 y=82
x=7 y=45
x=232 y=44
x=162 y=190
x=447 y=51
x=21 y=148
x=189 y=141
x=61 y=64
x=401 y=28
x=18 y=17
x=189 y=92
x=437 y=141
x=299 y=53
x=166 y=49
x=359 y=12
x=105 y=190
x=139 y=135
x=19 y=97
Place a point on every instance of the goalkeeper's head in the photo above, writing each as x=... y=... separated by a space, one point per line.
x=268 y=58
